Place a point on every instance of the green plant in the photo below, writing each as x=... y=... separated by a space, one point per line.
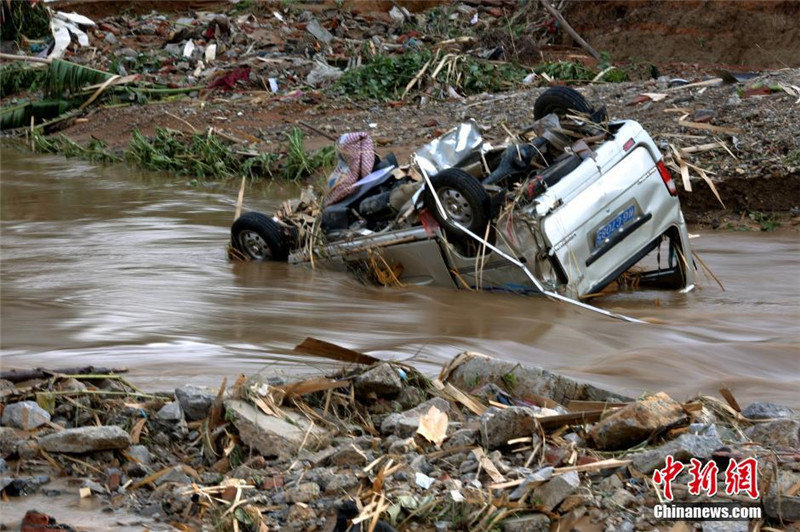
x=19 y=76
x=792 y=158
x=299 y=163
x=565 y=70
x=384 y=77
x=24 y=20
x=767 y=222
x=510 y=381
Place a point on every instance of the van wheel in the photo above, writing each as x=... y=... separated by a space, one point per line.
x=464 y=200
x=560 y=100
x=259 y=237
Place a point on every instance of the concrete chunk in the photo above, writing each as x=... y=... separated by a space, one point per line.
x=780 y=434
x=500 y=425
x=382 y=380
x=556 y=490
x=471 y=368
x=271 y=436
x=86 y=440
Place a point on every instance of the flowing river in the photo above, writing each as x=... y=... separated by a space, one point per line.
x=108 y=266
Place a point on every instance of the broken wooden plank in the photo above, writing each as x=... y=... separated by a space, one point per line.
x=730 y=399
x=315 y=384
x=709 y=127
x=575 y=418
x=319 y=348
x=611 y=463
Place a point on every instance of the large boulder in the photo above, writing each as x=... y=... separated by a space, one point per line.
x=636 y=422
x=86 y=440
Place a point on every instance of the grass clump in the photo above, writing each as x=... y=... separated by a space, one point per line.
x=565 y=70
x=299 y=163
x=94 y=151
x=384 y=77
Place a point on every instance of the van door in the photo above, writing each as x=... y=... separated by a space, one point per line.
x=611 y=224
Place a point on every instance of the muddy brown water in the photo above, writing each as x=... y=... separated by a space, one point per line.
x=108 y=266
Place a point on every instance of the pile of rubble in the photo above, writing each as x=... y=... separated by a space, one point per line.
x=486 y=445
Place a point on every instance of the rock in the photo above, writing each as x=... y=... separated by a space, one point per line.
x=172 y=420
x=322 y=74
x=531 y=480
x=475 y=367
x=175 y=475
x=382 y=380
x=9 y=440
x=405 y=424
x=28 y=449
x=342 y=482
x=636 y=422
x=725 y=526
x=195 y=401
x=410 y=396
x=271 y=436
x=497 y=426
x=25 y=415
x=768 y=411
x=299 y=517
x=35 y=521
x=623 y=498
x=319 y=33
x=3 y=465
x=86 y=439
x=683 y=448
x=141 y=454
x=777 y=504
x=22 y=486
x=527 y=523
x=349 y=455
x=781 y=434
x=110 y=38
x=556 y=490
x=303 y=492
x=461 y=438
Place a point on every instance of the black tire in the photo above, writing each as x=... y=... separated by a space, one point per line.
x=463 y=198
x=559 y=100
x=259 y=237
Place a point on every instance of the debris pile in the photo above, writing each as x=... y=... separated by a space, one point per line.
x=486 y=445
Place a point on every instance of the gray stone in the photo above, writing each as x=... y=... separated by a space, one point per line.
x=174 y=49
x=25 y=415
x=405 y=424
x=342 y=482
x=780 y=434
x=531 y=481
x=195 y=401
x=777 y=504
x=175 y=475
x=382 y=379
x=636 y=422
x=725 y=526
x=28 y=449
x=461 y=438
x=86 y=439
x=170 y=417
x=349 y=455
x=623 y=498
x=556 y=490
x=22 y=486
x=319 y=33
x=128 y=52
x=683 y=448
x=110 y=38
x=3 y=465
x=498 y=425
x=140 y=454
x=9 y=439
x=527 y=523
x=271 y=436
x=768 y=411
x=475 y=367
x=303 y=492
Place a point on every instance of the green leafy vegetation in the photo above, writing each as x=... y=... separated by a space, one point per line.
x=766 y=221
x=22 y=20
x=299 y=163
x=94 y=151
x=19 y=76
x=565 y=70
x=384 y=77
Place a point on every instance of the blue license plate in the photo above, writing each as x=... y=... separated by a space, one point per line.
x=620 y=220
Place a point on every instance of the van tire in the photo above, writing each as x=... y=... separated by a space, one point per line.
x=559 y=100
x=259 y=237
x=463 y=198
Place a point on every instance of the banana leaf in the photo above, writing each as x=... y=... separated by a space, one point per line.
x=66 y=77
x=20 y=115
